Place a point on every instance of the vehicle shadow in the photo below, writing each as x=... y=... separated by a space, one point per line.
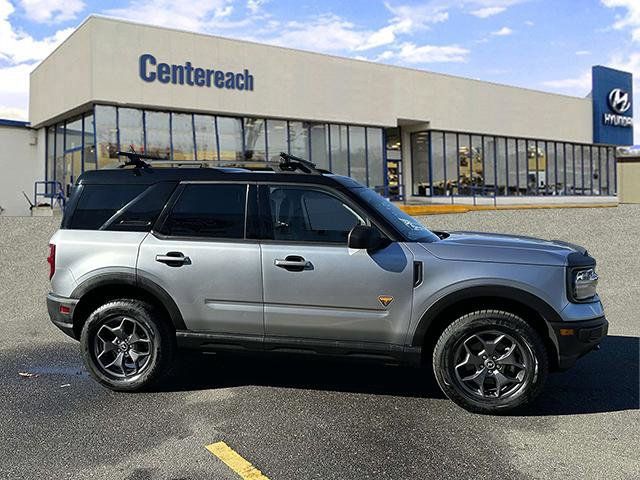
x=604 y=381
x=202 y=371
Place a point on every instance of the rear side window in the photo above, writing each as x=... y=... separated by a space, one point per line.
x=98 y=203
x=208 y=210
x=140 y=213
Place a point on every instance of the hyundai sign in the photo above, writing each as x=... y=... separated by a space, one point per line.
x=151 y=70
x=612 y=97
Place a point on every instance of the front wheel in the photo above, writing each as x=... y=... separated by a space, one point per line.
x=127 y=345
x=490 y=361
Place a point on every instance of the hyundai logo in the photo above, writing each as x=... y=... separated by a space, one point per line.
x=619 y=100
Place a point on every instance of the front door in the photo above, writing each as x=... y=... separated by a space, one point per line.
x=315 y=287
x=202 y=258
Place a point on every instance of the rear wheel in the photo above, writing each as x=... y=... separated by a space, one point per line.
x=490 y=361
x=127 y=345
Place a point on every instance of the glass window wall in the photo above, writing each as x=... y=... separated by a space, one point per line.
x=206 y=144
x=299 y=139
x=182 y=136
x=319 y=134
x=466 y=164
x=358 y=154
x=255 y=139
x=130 y=130
x=230 y=139
x=278 y=140
x=106 y=121
x=375 y=159
x=158 y=134
x=89 y=146
x=339 y=149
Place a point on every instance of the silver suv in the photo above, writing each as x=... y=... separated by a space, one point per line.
x=300 y=261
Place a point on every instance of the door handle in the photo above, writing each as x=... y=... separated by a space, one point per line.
x=174 y=259
x=293 y=263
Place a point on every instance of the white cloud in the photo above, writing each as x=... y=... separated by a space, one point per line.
x=529 y=23
x=13 y=113
x=628 y=20
x=328 y=33
x=19 y=54
x=52 y=11
x=14 y=91
x=254 y=6
x=579 y=86
x=582 y=53
x=195 y=15
x=412 y=54
x=503 y=32
x=630 y=61
x=334 y=34
x=487 y=8
x=487 y=11
x=17 y=46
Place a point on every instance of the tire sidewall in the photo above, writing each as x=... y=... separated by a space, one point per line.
x=142 y=313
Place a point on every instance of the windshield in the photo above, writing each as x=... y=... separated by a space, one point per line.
x=411 y=229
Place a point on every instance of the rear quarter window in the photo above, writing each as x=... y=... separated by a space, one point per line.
x=119 y=207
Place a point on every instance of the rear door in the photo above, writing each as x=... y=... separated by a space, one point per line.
x=315 y=287
x=202 y=257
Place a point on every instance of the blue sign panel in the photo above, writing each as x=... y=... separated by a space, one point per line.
x=151 y=70
x=612 y=97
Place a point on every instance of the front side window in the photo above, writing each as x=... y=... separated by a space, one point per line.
x=310 y=215
x=208 y=210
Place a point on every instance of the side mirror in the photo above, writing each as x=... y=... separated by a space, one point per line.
x=367 y=238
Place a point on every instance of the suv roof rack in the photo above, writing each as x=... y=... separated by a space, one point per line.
x=287 y=163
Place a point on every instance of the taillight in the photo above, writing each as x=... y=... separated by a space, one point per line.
x=51 y=260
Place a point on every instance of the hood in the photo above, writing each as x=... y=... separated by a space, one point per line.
x=494 y=247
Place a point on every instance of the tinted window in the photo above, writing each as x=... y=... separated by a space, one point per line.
x=309 y=215
x=411 y=229
x=140 y=214
x=98 y=203
x=208 y=210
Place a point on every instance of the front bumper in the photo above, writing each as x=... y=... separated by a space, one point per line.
x=575 y=339
x=62 y=317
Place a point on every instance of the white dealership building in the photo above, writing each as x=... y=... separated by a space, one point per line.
x=411 y=134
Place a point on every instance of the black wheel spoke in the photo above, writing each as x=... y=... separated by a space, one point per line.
x=490 y=364
x=122 y=347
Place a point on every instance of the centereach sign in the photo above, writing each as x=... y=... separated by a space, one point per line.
x=150 y=70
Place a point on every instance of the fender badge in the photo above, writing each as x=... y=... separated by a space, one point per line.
x=385 y=300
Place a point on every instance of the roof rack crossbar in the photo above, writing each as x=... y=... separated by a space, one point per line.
x=137 y=159
x=287 y=162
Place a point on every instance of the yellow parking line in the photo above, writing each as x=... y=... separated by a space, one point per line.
x=235 y=462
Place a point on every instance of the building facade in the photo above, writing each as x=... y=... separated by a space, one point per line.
x=115 y=85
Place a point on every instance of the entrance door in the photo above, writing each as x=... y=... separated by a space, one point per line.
x=202 y=258
x=395 y=188
x=315 y=287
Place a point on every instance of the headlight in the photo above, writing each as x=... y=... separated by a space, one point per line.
x=584 y=283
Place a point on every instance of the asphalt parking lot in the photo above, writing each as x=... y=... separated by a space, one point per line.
x=318 y=420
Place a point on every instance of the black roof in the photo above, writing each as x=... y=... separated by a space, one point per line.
x=148 y=176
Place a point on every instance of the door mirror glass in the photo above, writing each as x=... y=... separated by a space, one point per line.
x=367 y=238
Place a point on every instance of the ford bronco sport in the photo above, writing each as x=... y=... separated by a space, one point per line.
x=300 y=261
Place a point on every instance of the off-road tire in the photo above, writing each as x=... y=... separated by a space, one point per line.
x=162 y=345
x=451 y=340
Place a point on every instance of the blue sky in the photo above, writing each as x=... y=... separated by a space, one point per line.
x=541 y=44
